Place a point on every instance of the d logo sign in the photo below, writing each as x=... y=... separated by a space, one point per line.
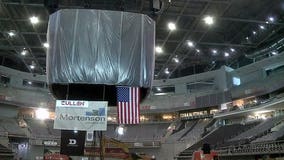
x=72 y=141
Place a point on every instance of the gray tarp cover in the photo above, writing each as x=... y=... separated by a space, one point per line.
x=100 y=47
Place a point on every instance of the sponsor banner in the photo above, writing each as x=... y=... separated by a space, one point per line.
x=72 y=143
x=70 y=103
x=92 y=117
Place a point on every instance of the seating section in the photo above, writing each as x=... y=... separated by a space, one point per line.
x=11 y=126
x=259 y=129
x=5 y=153
x=142 y=132
x=271 y=136
x=177 y=135
x=196 y=132
x=53 y=132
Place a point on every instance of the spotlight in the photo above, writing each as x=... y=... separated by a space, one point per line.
x=226 y=54
x=46 y=45
x=120 y=130
x=176 y=59
x=172 y=26
x=214 y=51
x=274 y=53
x=271 y=19
x=159 y=89
x=32 y=66
x=232 y=49
x=34 y=20
x=254 y=32
x=42 y=113
x=197 y=50
x=261 y=27
x=209 y=20
x=167 y=71
x=190 y=44
x=24 y=52
x=11 y=33
x=159 y=49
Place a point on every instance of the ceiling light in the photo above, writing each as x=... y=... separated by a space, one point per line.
x=42 y=113
x=226 y=54
x=34 y=20
x=190 y=44
x=159 y=89
x=167 y=71
x=32 y=66
x=75 y=131
x=208 y=20
x=11 y=33
x=24 y=52
x=271 y=19
x=232 y=49
x=29 y=82
x=261 y=27
x=120 y=130
x=254 y=32
x=274 y=52
x=171 y=26
x=266 y=22
x=197 y=50
x=176 y=59
x=46 y=45
x=214 y=51
x=247 y=38
x=159 y=49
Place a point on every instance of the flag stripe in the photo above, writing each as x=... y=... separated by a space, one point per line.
x=128 y=105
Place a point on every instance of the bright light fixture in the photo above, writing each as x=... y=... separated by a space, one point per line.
x=190 y=44
x=208 y=20
x=254 y=32
x=273 y=52
x=75 y=131
x=197 y=50
x=34 y=20
x=172 y=26
x=176 y=59
x=46 y=45
x=247 y=38
x=11 y=33
x=158 y=89
x=42 y=113
x=159 y=49
x=214 y=51
x=29 y=82
x=24 y=52
x=32 y=66
x=271 y=19
x=232 y=49
x=261 y=27
x=226 y=54
x=120 y=130
x=167 y=71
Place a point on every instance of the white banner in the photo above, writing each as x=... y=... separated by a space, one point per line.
x=91 y=116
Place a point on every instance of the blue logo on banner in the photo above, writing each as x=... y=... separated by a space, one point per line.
x=100 y=112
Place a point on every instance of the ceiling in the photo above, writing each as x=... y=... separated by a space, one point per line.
x=236 y=31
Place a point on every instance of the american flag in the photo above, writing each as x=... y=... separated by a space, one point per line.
x=128 y=105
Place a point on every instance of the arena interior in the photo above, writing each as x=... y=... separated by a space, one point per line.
x=218 y=80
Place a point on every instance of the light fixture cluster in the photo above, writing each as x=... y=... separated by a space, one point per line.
x=261 y=28
x=208 y=20
x=24 y=52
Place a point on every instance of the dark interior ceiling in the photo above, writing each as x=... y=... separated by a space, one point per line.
x=236 y=26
